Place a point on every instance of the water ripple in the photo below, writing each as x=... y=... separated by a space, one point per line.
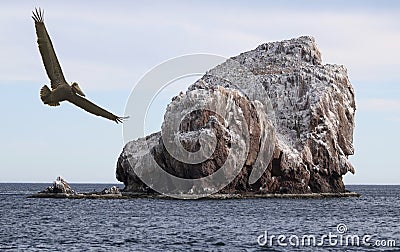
x=177 y=225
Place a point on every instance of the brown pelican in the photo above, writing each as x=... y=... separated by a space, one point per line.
x=61 y=90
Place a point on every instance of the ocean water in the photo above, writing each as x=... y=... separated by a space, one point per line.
x=199 y=225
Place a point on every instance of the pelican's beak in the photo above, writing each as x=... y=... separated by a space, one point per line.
x=77 y=89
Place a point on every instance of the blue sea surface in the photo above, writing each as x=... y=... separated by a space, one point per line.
x=197 y=225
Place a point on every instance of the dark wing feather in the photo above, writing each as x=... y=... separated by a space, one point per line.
x=93 y=108
x=47 y=52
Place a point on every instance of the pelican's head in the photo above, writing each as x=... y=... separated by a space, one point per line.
x=76 y=89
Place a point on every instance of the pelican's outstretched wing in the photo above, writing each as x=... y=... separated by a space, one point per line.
x=46 y=49
x=93 y=108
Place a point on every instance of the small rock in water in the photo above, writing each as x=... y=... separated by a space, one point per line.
x=113 y=190
x=59 y=186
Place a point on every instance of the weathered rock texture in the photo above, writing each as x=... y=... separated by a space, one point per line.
x=310 y=121
x=60 y=186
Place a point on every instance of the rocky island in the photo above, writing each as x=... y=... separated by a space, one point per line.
x=277 y=123
x=62 y=189
x=299 y=119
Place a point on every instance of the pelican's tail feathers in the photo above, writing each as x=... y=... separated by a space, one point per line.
x=45 y=95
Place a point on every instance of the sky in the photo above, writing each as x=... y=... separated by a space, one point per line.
x=107 y=46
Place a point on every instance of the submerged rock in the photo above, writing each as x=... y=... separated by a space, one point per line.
x=300 y=125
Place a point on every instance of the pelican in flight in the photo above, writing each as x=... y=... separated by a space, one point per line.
x=60 y=89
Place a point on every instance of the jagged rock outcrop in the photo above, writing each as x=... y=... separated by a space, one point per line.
x=60 y=186
x=300 y=124
x=61 y=189
x=111 y=191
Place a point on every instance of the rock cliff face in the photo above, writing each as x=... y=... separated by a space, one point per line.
x=295 y=115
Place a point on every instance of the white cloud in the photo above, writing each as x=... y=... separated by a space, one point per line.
x=378 y=104
x=394 y=119
x=104 y=43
